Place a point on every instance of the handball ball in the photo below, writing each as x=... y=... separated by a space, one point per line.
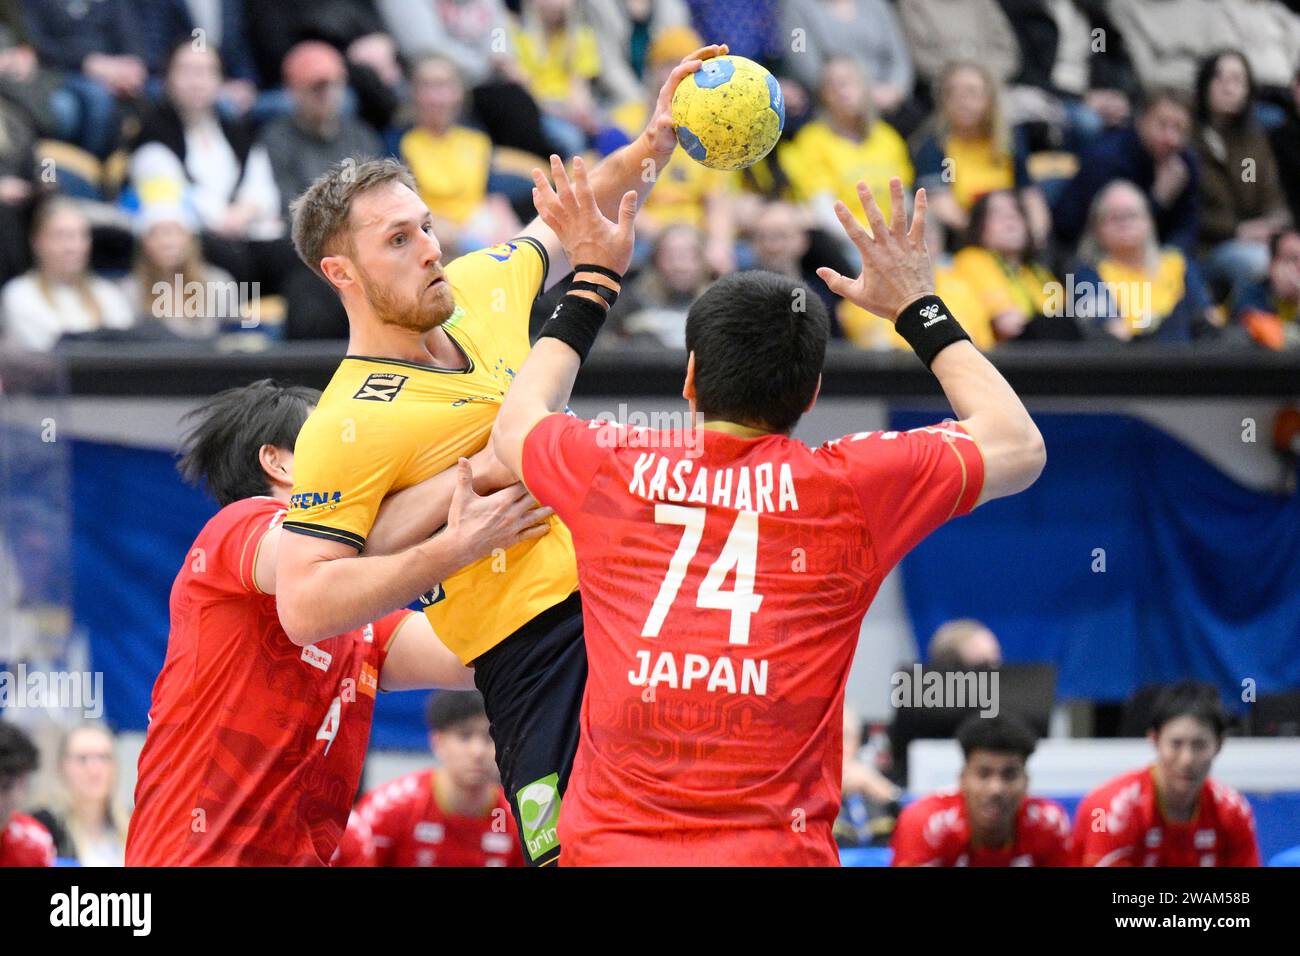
x=729 y=113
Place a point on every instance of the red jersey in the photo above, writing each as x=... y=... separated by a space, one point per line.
x=723 y=582
x=935 y=831
x=255 y=745
x=409 y=828
x=26 y=842
x=357 y=847
x=1121 y=823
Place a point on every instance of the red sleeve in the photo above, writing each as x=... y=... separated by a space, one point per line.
x=909 y=483
x=384 y=811
x=561 y=457
x=225 y=555
x=1239 y=827
x=386 y=629
x=908 y=842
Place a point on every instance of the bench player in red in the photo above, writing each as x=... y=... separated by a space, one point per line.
x=256 y=744
x=455 y=815
x=724 y=580
x=24 y=841
x=990 y=820
x=1171 y=813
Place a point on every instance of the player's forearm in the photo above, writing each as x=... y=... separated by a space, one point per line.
x=542 y=387
x=414 y=514
x=634 y=167
x=994 y=414
x=323 y=598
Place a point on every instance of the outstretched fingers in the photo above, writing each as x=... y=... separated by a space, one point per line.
x=919 y=205
x=876 y=218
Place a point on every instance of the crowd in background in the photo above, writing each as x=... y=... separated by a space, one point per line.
x=1111 y=170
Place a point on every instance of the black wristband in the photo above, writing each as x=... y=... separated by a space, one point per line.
x=605 y=292
x=600 y=271
x=576 y=322
x=929 y=328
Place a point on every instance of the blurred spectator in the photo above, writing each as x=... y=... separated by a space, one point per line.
x=60 y=296
x=654 y=307
x=85 y=808
x=1171 y=813
x=969 y=149
x=1269 y=36
x=1112 y=82
x=781 y=241
x=1168 y=38
x=317 y=134
x=170 y=283
x=1241 y=198
x=17 y=187
x=1285 y=139
x=686 y=192
x=1130 y=287
x=866 y=31
x=990 y=820
x=450 y=163
x=848 y=144
x=963 y=644
x=27 y=81
x=870 y=799
x=186 y=148
x=624 y=31
x=1154 y=154
x=475 y=35
x=23 y=840
x=560 y=58
x=1268 y=309
x=1001 y=263
x=224 y=25
x=941 y=32
x=454 y=815
x=102 y=49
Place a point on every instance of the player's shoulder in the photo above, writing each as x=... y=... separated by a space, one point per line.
x=1123 y=797
x=1046 y=815
x=399 y=790
x=1228 y=801
x=239 y=515
x=28 y=832
x=513 y=252
x=945 y=806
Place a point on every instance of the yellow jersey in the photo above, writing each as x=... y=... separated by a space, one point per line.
x=820 y=160
x=383 y=425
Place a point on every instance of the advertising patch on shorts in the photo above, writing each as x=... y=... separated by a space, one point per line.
x=539 y=812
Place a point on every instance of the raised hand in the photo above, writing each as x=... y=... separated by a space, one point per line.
x=896 y=268
x=663 y=138
x=569 y=208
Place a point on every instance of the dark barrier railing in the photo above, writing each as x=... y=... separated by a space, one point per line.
x=155 y=370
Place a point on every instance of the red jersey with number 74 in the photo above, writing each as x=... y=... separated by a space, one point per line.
x=723 y=580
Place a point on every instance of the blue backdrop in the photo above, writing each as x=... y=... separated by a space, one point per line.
x=1202 y=576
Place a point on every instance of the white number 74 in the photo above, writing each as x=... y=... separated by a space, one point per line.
x=739 y=553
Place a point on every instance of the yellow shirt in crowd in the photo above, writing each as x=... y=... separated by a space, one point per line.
x=822 y=160
x=978 y=167
x=1002 y=287
x=554 y=62
x=451 y=169
x=867 y=330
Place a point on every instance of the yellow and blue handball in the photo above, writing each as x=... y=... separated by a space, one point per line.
x=729 y=113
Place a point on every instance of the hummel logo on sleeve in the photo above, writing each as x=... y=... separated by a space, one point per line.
x=381 y=387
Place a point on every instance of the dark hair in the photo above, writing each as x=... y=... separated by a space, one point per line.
x=759 y=341
x=18 y=755
x=1003 y=734
x=979 y=213
x=220 y=451
x=1205 y=76
x=183 y=43
x=450 y=707
x=1189 y=698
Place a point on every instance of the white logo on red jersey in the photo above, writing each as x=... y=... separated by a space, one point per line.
x=316 y=657
x=429 y=832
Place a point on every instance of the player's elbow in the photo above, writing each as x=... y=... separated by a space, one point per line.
x=296 y=618
x=1029 y=457
x=508 y=441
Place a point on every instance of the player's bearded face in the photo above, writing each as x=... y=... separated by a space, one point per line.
x=419 y=303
